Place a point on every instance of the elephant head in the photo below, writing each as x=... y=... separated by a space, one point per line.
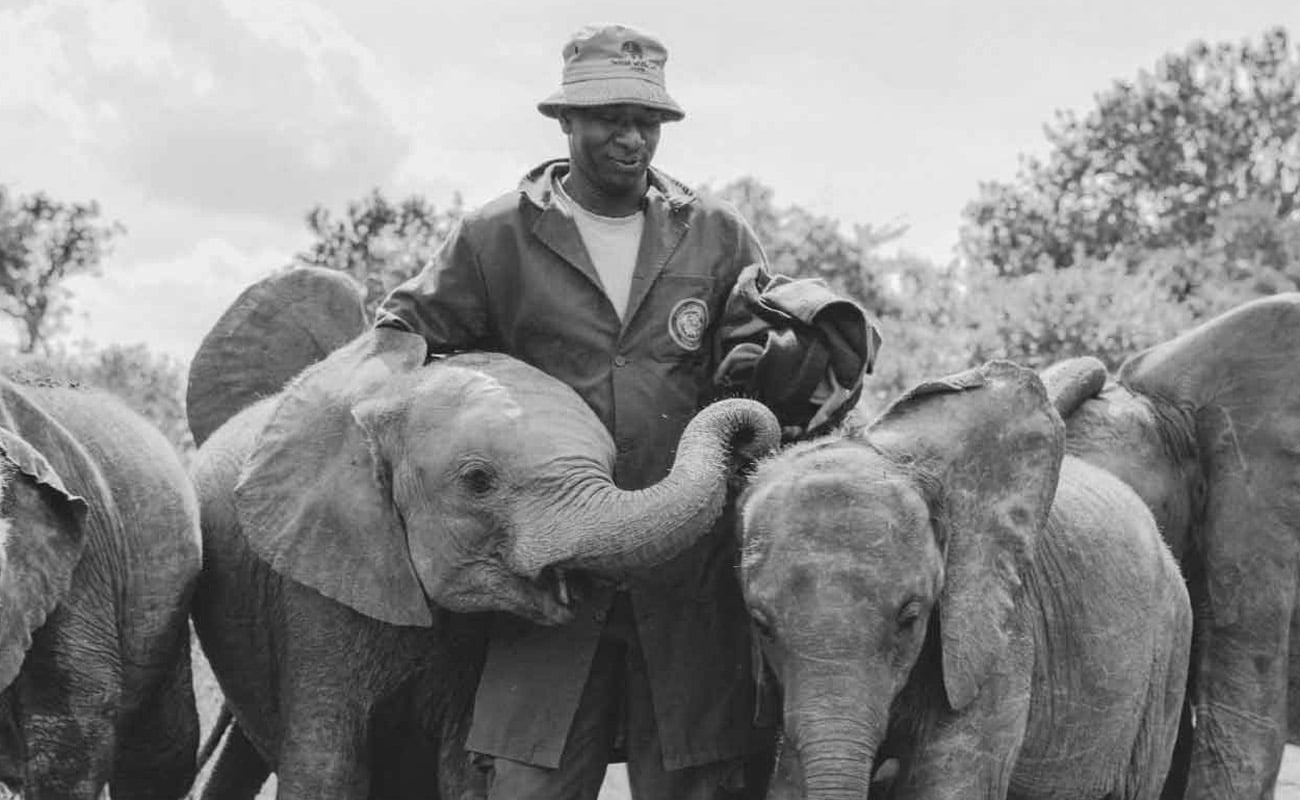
x=862 y=552
x=475 y=482
x=1206 y=429
x=42 y=525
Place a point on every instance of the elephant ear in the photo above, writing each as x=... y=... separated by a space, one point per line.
x=986 y=446
x=1239 y=375
x=311 y=498
x=1072 y=381
x=42 y=533
x=273 y=330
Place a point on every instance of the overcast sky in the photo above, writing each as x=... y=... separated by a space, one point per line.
x=210 y=127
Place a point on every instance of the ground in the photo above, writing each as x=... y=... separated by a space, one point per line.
x=1288 y=783
x=615 y=788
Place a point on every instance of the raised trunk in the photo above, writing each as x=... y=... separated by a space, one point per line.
x=620 y=530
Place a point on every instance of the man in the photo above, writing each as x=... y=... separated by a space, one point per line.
x=650 y=302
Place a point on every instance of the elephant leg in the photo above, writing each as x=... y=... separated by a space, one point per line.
x=240 y=770
x=324 y=751
x=158 y=740
x=69 y=695
x=970 y=754
x=1240 y=682
x=336 y=666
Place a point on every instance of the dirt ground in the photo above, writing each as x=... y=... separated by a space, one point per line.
x=1288 y=784
x=1288 y=781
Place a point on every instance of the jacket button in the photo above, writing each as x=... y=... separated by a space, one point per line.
x=599 y=616
x=620 y=361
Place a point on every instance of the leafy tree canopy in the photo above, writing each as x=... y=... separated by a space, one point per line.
x=1156 y=164
x=379 y=242
x=803 y=244
x=42 y=242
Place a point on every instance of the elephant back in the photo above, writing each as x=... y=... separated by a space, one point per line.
x=271 y=332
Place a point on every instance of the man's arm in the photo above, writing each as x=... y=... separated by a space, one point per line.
x=446 y=302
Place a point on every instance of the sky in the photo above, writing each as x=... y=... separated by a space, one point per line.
x=209 y=128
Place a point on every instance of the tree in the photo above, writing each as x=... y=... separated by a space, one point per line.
x=1154 y=164
x=43 y=242
x=802 y=244
x=378 y=242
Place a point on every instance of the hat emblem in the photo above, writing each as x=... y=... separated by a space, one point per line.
x=633 y=57
x=687 y=322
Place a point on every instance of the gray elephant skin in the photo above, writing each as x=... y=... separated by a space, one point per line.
x=946 y=589
x=356 y=523
x=99 y=555
x=1206 y=429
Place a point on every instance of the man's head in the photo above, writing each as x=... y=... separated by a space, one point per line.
x=610 y=105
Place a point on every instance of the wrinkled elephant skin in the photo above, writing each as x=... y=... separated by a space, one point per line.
x=99 y=555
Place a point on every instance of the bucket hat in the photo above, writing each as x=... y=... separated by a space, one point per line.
x=611 y=65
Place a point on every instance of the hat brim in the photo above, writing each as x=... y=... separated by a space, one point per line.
x=611 y=92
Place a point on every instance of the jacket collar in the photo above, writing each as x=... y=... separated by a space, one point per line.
x=663 y=231
x=664 y=188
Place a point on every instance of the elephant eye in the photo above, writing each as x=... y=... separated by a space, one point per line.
x=908 y=615
x=478 y=479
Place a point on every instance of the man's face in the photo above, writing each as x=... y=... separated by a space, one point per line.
x=610 y=147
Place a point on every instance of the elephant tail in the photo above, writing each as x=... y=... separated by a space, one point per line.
x=276 y=328
x=239 y=772
x=224 y=718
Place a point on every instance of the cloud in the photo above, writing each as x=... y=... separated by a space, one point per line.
x=256 y=108
x=170 y=303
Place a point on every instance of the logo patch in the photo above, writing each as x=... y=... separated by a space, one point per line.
x=687 y=323
x=633 y=57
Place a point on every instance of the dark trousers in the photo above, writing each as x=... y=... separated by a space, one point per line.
x=617 y=683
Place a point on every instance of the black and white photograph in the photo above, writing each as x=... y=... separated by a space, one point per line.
x=649 y=401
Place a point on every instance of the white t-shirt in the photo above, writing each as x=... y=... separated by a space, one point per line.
x=612 y=243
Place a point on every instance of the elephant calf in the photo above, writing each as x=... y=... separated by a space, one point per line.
x=945 y=589
x=100 y=553
x=346 y=517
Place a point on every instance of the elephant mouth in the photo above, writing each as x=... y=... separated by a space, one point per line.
x=555 y=582
x=555 y=593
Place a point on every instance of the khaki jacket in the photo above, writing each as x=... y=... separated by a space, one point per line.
x=514 y=277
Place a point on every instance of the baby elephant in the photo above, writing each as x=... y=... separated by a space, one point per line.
x=946 y=589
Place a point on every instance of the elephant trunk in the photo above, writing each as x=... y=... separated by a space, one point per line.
x=837 y=764
x=618 y=530
x=836 y=721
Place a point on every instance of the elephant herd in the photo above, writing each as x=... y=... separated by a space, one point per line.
x=1070 y=585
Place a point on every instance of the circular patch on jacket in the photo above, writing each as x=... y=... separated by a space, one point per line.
x=688 y=322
